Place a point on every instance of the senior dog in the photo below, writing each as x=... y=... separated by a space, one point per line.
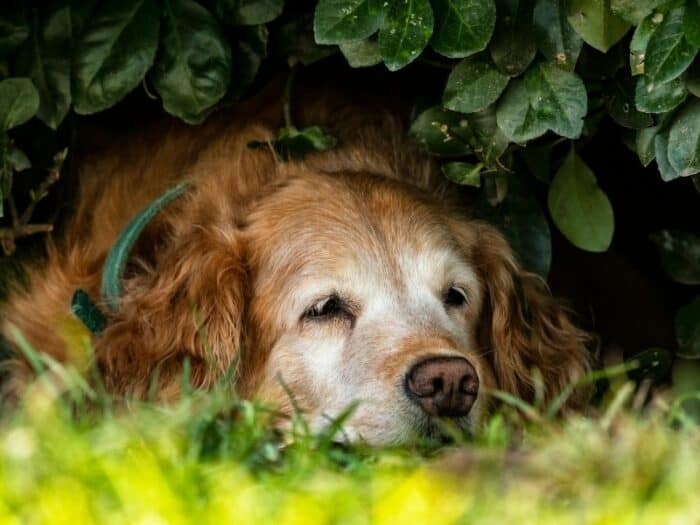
x=347 y=276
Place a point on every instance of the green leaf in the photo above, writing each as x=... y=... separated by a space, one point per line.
x=645 y=142
x=473 y=85
x=513 y=46
x=13 y=30
x=639 y=42
x=691 y=23
x=45 y=58
x=248 y=12
x=688 y=330
x=579 y=208
x=19 y=101
x=684 y=140
x=596 y=23
x=548 y=98
x=484 y=136
x=337 y=21
x=668 y=53
x=634 y=11
x=441 y=132
x=292 y=143
x=651 y=97
x=667 y=172
x=621 y=104
x=247 y=58
x=521 y=219
x=555 y=37
x=193 y=68
x=295 y=42
x=516 y=118
x=17 y=159
x=405 y=32
x=463 y=173
x=680 y=255
x=114 y=54
x=462 y=27
x=361 y=53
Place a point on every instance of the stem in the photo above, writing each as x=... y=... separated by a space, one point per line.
x=42 y=190
x=287 y=100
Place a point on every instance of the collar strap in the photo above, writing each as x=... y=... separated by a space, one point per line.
x=113 y=271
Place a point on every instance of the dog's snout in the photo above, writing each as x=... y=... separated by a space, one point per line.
x=443 y=386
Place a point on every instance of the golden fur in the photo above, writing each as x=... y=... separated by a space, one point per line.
x=205 y=278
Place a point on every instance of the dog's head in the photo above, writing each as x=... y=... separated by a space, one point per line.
x=350 y=288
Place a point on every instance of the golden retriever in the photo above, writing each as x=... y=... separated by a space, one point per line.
x=344 y=277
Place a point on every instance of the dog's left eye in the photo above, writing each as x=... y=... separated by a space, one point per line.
x=327 y=308
x=455 y=296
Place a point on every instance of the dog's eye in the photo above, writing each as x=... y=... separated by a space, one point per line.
x=455 y=297
x=326 y=308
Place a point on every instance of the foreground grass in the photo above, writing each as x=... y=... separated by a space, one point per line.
x=214 y=459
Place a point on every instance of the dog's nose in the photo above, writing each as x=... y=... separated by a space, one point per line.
x=443 y=386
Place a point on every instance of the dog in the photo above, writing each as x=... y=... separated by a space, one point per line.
x=348 y=276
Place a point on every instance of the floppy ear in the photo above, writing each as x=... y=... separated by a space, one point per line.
x=186 y=304
x=523 y=326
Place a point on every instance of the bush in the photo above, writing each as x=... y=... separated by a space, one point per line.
x=529 y=83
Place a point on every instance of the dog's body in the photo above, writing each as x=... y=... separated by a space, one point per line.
x=340 y=278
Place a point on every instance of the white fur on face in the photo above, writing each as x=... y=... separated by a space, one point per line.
x=329 y=364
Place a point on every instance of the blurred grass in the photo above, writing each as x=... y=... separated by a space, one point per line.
x=75 y=456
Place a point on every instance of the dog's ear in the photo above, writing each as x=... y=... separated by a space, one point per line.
x=523 y=327
x=185 y=304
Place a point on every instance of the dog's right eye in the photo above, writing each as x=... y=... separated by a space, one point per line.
x=327 y=308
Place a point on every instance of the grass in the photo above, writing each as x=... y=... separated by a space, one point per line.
x=77 y=457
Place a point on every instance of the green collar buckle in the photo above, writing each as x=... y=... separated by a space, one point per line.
x=82 y=306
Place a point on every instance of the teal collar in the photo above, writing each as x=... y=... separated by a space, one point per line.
x=112 y=287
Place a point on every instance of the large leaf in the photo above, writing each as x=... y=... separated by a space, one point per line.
x=554 y=35
x=667 y=172
x=521 y=218
x=19 y=101
x=548 y=98
x=248 y=12
x=579 y=208
x=13 y=30
x=45 y=58
x=338 y=21
x=442 y=132
x=688 y=330
x=513 y=45
x=473 y=85
x=668 y=52
x=654 y=97
x=639 y=42
x=463 y=173
x=114 y=54
x=405 y=32
x=634 y=11
x=596 y=23
x=516 y=118
x=462 y=27
x=484 y=136
x=193 y=68
x=621 y=106
x=684 y=140
x=680 y=255
x=361 y=53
